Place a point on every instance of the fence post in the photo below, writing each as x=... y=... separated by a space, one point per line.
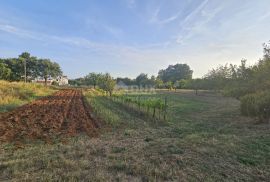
x=139 y=103
x=165 y=108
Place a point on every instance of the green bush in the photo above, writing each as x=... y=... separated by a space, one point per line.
x=256 y=105
x=236 y=92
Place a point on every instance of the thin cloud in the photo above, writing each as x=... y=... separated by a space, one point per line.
x=200 y=24
x=156 y=20
x=193 y=13
x=128 y=52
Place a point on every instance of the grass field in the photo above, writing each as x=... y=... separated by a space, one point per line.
x=204 y=139
x=14 y=94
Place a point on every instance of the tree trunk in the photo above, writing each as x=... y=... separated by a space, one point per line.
x=45 y=78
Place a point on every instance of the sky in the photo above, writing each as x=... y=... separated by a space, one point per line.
x=129 y=37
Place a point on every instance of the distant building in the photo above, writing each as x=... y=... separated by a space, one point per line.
x=61 y=80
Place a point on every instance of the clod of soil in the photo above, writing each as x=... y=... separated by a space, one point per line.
x=63 y=114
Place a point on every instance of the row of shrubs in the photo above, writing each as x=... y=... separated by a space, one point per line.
x=256 y=105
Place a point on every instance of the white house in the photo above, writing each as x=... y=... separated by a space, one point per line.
x=61 y=80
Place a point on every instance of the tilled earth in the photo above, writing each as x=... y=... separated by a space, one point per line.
x=63 y=114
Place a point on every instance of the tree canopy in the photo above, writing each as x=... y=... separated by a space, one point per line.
x=35 y=68
x=175 y=72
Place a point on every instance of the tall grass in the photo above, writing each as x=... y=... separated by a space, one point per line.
x=101 y=106
x=13 y=94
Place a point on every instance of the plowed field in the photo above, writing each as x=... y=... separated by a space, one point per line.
x=63 y=114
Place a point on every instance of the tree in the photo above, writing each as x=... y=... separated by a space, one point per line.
x=141 y=80
x=180 y=84
x=169 y=85
x=195 y=84
x=92 y=79
x=25 y=57
x=5 y=72
x=159 y=83
x=48 y=69
x=15 y=66
x=127 y=81
x=175 y=72
x=107 y=83
x=152 y=81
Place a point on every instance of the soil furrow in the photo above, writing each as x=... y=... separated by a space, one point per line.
x=63 y=113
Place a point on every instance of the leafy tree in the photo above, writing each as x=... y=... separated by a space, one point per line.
x=24 y=58
x=175 y=72
x=142 y=80
x=180 y=84
x=48 y=69
x=169 y=85
x=159 y=83
x=15 y=66
x=107 y=83
x=195 y=84
x=76 y=82
x=5 y=72
x=92 y=79
x=152 y=81
x=127 y=81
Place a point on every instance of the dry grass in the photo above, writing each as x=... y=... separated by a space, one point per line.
x=14 y=94
x=206 y=139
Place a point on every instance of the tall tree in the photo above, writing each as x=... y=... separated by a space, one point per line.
x=25 y=58
x=141 y=80
x=5 y=72
x=48 y=69
x=92 y=79
x=175 y=72
x=127 y=81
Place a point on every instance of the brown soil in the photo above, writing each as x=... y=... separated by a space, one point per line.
x=63 y=114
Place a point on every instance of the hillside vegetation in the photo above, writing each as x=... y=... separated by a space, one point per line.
x=14 y=94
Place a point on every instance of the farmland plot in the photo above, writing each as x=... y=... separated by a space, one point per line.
x=64 y=113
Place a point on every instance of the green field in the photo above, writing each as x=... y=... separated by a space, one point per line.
x=203 y=139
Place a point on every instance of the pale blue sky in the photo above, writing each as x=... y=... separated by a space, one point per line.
x=128 y=37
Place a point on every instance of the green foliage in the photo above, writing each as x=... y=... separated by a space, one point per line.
x=175 y=72
x=106 y=82
x=92 y=79
x=180 y=84
x=153 y=103
x=256 y=105
x=142 y=80
x=47 y=68
x=35 y=68
x=127 y=81
x=4 y=72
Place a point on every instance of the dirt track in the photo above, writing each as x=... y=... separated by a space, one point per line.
x=64 y=113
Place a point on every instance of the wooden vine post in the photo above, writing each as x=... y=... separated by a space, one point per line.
x=165 y=108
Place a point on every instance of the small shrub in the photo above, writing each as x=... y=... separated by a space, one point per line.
x=235 y=92
x=256 y=105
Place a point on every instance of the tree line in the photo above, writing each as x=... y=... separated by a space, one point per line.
x=166 y=78
x=27 y=68
x=249 y=84
x=104 y=81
